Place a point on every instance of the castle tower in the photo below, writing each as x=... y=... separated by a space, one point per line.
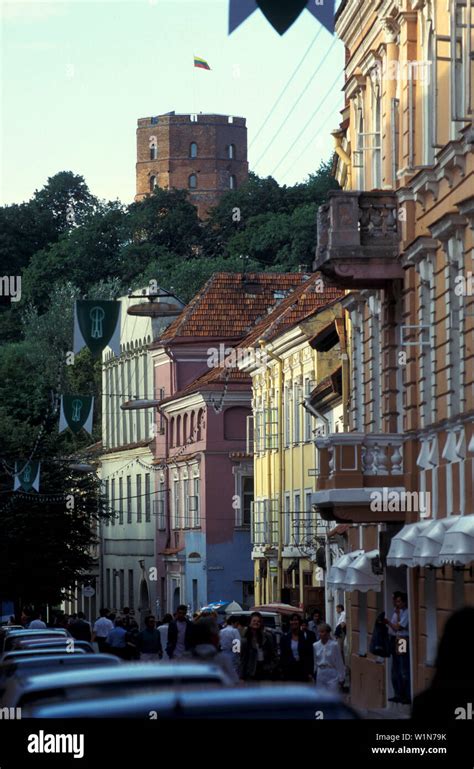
x=204 y=154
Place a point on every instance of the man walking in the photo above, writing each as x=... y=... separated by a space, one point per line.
x=116 y=640
x=149 y=642
x=80 y=629
x=180 y=633
x=102 y=627
x=229 y=640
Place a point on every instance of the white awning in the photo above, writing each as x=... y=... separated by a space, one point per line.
x=430 y=541
x=360 y=576
x=337 y=573
x=402 y=546
x=458 y=543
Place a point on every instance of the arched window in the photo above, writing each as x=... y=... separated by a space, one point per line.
x=153 y=152
x=178 y=431
x=192 y=433
x=192 y=181
x=232 y=182
x=152 y=183
x=200 y=419
x=185 y=428
x=193 y=150
x=171 y=428
x=231 y=151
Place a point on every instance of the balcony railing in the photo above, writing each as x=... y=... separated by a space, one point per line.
x=360 y=460
x=358 y=239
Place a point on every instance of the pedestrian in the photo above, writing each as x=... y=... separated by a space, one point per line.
x=81 y=629
x=131 y=626
x=258 y=659
x=230 y=641
x=163 y=630
x=400 y=650
x=148 y=641
x=296 y=653
x=315 y=621
x=205 y=648
x=117 y=639
x=329 y=669
x=309 y=635
x=180 y=632
x=102 y=628
x=37 y=622
x=340 y=629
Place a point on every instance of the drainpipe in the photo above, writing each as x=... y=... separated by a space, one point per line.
x=308 y=407
x=281 y=479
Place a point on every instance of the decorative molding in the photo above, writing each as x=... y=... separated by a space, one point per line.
x=448 y=226
x=421 y=249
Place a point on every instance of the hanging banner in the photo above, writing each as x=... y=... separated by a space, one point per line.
x=97 y=325
x=29 y=477
x=281 y=13
x=76 y=413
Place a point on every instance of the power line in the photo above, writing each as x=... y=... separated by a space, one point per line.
x=310 y=119
x=296 y=102
x=282 y=93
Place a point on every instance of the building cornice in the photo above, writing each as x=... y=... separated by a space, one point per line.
x=448 y=226
x=420 y=249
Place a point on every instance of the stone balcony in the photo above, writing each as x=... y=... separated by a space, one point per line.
x=352 y=466
x=358 y=239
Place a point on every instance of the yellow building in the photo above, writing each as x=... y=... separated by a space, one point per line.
x=288 y=540
x=399 y=236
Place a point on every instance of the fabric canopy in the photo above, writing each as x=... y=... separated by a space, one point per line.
x=458 y=543
x=403 y=544
x=360 y=575
x=430 y=541
x=337 y=572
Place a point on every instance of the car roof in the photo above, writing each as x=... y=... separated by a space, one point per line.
x=127 y=672
x=248 y=613
x=34 y=652
x=250 y=700
x=22 y=664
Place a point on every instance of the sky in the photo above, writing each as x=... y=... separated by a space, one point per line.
x=75 y=76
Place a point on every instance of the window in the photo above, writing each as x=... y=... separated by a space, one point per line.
x=428 y=101
x=286 y=407
x=185 y=428
x=193 y=150
x=129 y=498
x=112 y=499
x=231 y=151
x=147 y=498
x=359 y=152
x=232 y=182
x=107 y=585
x=152 y=183
x=376 y=137
x=154 y=120
x=308 y=516
x=287 y=521
x=105 y=491
x=171 y=424
x=196 y=502
x=187 y=518
x=121 y=501
x=131 y=591
x=296 y=520
x=122 y=588
x=247 y=499
x=200 y=422
x=176 y=521
x=178 y=430
x=139 y=498
x=192 y=181
x=161 y=501
x=307 y=415
x=296 y=414
x=153 y=152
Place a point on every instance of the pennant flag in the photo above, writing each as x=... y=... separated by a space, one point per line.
x=201 y=63
x=97 y=325
x=281 y=13
x=76 y=412
x=29 y=477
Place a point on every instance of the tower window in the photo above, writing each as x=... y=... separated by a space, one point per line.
x=152 y=183
x=231 y=151
x=154 y=120
x=192 y=181
x=232 y=182
x=193 y=150
x=153 y=152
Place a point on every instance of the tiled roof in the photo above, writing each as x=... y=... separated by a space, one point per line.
x=229 y=305
x=214 y=379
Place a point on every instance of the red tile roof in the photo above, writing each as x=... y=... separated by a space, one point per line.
x=229 y=305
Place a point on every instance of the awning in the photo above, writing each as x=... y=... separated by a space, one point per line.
x=458 y=543
x=360 y=575
x=403 y=544
x=337 y=573
x=430 y=541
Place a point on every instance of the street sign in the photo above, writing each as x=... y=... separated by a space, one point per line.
x=88 y=591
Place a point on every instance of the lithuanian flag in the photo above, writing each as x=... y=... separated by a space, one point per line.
x=201 y=63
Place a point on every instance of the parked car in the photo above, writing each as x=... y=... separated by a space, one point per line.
x=10 y=638
x=54 y=643
x=34 y=653
x=123 y=680
x=250 y=702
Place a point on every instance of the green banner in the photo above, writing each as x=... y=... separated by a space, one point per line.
x=27 y=475
x=97 y=325
x=76 y=413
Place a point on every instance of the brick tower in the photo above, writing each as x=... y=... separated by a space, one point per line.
x=204 y=154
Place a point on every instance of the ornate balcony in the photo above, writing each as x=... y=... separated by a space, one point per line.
x=358 y=239
x=352 y=466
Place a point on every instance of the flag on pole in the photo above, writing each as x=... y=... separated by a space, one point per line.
x=97 y=325
x=201 y=63
x=76 y=412
x=27 y=478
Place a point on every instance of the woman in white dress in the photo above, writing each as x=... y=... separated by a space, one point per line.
x=329 y=668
